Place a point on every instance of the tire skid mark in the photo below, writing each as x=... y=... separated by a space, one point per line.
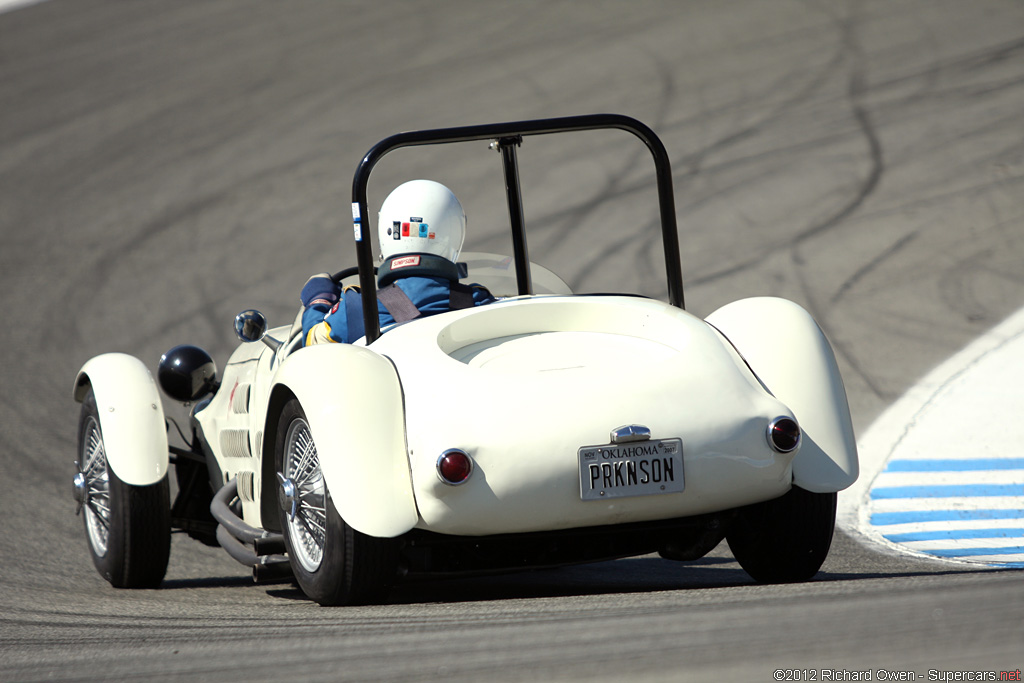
x=80 y=290
x=856 y=91
x=615 y=187
x=869 y=267
x=694 y=164
x=968 y=64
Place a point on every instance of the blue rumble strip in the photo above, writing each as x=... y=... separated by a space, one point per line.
x=956 y=508
x=955 y=465
x=920 y=516
x=974 y=552
x=956 y=533
x=943 y=466
x=948 y=491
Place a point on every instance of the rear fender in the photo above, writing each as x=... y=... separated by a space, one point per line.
x=353 y=402
x=789 y=353
x=131 y=416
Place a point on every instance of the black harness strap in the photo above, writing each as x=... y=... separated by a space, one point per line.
x=461 y=296
x=398 y=303
x=401 y=307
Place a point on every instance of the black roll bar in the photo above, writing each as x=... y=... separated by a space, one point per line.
x=507 y=137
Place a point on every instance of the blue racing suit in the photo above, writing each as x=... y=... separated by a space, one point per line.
x=427 y=284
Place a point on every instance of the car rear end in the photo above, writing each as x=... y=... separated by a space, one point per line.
x=540 y=414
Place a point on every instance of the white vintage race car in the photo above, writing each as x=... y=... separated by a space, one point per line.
x=604 y=426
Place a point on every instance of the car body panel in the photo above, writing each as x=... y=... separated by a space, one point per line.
x=354 y=405
x=131 y=416
x=523 y=384
x=232 y=422
x=789 y=353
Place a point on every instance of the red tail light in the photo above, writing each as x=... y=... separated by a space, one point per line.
x=454 y=467
x=784 y=434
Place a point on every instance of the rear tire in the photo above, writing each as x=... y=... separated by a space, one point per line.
x=128 y=528
x=784 y=540
x=333 y=563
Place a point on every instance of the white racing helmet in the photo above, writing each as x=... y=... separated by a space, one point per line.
x=421 y=216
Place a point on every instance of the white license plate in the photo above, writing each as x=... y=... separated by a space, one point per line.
x=637 y=468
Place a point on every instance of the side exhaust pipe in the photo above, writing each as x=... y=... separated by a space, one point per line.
x=266 y=556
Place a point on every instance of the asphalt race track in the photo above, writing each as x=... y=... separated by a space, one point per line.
x=165 y=165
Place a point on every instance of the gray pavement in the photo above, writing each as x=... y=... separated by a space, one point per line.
x=166 y=165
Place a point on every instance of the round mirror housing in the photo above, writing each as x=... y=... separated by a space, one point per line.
x=251 y=326
x=187 y=373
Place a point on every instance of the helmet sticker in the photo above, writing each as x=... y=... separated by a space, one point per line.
x=437 y=227
x=357 y=228
x=414 y=228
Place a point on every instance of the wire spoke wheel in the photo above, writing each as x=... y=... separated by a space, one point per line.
x=308 y=525
x=128 y=527
x=96 y=483
x=333 y=563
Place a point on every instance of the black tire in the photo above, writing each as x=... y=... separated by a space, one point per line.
x=784 y=540
x=128 y=528
x=333 y=563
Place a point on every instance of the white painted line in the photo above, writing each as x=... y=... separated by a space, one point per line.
x=945 y=462
x=10 y=5
x=994 y=477
x=1015 y=561
x=952 y=505
x=892 y=530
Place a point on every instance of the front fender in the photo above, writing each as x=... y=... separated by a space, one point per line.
x=353 y=402
x=792 y=357
x=131 y=416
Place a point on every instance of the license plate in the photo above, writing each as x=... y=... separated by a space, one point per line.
x=638 y=468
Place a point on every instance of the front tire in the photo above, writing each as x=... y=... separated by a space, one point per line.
x=333 y=563
x=784 y=540
x=128 y=528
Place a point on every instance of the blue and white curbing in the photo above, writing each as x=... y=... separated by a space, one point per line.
x=942 y=470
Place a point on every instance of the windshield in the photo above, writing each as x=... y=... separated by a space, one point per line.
x=498 y=274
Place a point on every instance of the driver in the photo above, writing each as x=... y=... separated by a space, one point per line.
x=420 y=228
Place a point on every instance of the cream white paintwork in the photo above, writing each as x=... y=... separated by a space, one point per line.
x=522 y=384
x=233 y=422
x=354 y=406
x=791 y=355
x=353 y=402
x=131 y=416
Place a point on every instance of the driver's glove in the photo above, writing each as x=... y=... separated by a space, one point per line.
x=320 y=289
